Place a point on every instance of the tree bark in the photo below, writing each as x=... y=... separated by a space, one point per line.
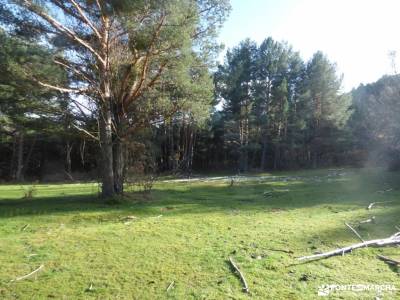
x=106 y=145
x=119 y=162
x=20 y=157
x=13 y=162
x=68 y=162
x=119 y=167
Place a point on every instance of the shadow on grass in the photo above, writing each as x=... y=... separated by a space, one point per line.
x=174 y=199
x=339 y=236
x=49 y=205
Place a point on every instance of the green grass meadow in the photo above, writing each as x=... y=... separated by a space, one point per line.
x=185 y=232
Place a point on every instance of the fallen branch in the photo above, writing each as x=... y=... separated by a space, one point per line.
x=371 y=220
x=389 y=260
x=280 y=250
x=28 y=275
x=24 y=227
x=355 y=231
x=373 y=203
x=390 y=241
x=245 y=286
x=69 y=175
x=170 y=286
x=384 y=191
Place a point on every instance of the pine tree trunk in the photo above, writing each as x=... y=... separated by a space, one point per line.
x=105 y=117
x=119 y=164
x=107 y=170
x=172 y=148
x=13 y=162
x=192 y=143
x=263 y=155
x=68 y=162
x=20 y=157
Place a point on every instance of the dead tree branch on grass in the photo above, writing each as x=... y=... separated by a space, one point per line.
x=390 y=241
x=379 y=202
x=388 y=260
x=355 y=231
x=28 y=275
x=245 y=286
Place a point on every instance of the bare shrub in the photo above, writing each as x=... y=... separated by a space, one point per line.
x=140 y=168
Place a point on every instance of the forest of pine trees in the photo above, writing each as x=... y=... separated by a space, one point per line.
x=264 y=108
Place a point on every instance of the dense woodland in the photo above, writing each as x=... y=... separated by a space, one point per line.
x=133 y=89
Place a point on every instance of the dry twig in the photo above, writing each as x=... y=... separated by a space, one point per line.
x=170 y=286
x=355 y=231
x=245 y=286
x=28 y=275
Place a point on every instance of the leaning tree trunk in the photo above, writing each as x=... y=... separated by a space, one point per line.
x=106 y=144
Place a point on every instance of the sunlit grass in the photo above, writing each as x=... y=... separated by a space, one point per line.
x=185 y=232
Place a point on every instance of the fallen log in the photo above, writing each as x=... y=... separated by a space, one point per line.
x=388 y=260
x=379 y=202
x=390 y=241
x=245 y=286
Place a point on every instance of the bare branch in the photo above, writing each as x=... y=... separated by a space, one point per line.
x=134 y=91
x=78 y=72
x=28 y=275
x=86 y=132
x=241 y=276
x=62 y=89
x=100 y=9
x=62 y=29
x=355 y=232
x=86 y=19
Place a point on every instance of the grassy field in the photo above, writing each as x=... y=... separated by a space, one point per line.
x=184 y=233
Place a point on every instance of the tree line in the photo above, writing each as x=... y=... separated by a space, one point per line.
x=111 y=89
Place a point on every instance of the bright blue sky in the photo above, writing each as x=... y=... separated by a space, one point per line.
x=356 y=34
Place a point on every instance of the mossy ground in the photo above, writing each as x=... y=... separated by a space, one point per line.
x=185 y=231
